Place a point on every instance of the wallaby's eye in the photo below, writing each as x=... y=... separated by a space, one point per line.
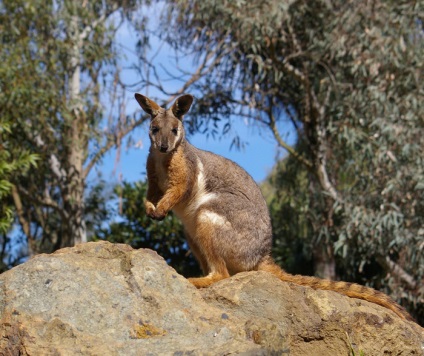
x=174 y=131
x=154 y=130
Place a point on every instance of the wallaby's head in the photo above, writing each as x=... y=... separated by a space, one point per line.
x=166 y=127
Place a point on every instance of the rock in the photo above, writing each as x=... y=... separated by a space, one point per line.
x=108 y=299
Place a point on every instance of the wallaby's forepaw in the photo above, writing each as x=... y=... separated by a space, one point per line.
x=154 y=213
x=150 y=208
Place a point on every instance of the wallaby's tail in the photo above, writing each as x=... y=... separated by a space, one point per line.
x=352 y=290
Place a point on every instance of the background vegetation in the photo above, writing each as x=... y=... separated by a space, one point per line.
x=346 y=203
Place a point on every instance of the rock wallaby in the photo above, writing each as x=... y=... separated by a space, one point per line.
x=225 y=216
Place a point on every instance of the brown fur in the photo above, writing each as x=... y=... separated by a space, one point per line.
x=225 y=216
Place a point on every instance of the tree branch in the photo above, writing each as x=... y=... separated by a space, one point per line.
x=46 y=201
x=205 y=67
x=87 y=29
x=282 y=143
x=55 y=165
x=396 y=270
x=321 y=172
x=20 y=211
x=110 y=142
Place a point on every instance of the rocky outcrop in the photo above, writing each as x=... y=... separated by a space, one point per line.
x=108 y=299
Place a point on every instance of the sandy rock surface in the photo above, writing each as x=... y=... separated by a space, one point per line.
x=109 y=299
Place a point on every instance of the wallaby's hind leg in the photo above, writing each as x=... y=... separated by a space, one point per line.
x=216 y=270
x=197 y=253
x=218 y=273
x=211 y=262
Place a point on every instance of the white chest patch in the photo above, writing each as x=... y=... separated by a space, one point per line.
x=201 y=196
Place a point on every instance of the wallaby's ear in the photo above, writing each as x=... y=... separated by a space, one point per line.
x=182 y=105
x=147 y=105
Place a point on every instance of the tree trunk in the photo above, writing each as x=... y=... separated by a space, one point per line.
x=324 y=262
x=77 y=145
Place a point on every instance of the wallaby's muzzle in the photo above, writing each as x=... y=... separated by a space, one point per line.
x=163 y=148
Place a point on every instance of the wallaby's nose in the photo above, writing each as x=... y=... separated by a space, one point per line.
x=163 y=147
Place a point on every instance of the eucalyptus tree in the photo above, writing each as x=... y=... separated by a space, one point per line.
x=13 y=161
x=59 y=59
x=347 y=77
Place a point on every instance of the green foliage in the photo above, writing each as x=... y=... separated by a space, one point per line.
x=59 y=59
x=11 y=163
x=289 y=205
x=133 y=227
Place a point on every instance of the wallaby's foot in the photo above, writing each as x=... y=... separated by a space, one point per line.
x=204 y=282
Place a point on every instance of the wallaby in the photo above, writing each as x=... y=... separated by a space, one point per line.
x=224 y=214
